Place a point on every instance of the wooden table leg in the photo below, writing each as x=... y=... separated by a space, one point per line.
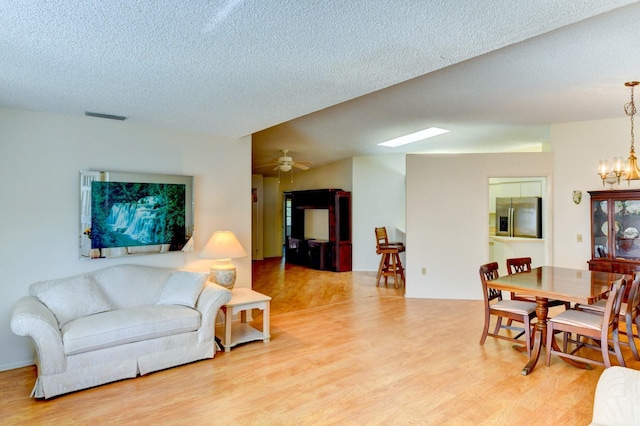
x=228 y=312
x=539 y=334
x=266 y=330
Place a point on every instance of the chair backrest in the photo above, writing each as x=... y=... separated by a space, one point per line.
x=518 y=264
x=382 y=241
x=612 y=309
x=622 y=285
x=633 y=298
x=384 y=246
x=489 y=271
x=381 y=237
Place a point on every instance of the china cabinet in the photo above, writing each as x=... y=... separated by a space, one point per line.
x=615 y=231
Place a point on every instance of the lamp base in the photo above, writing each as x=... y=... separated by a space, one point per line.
x=223 y=273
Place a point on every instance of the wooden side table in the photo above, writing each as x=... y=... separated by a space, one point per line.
x=242 y=300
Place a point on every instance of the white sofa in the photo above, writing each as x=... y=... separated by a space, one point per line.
x=617 y=398
x=116 y=323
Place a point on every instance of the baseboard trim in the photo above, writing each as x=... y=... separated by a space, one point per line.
x=14 y=365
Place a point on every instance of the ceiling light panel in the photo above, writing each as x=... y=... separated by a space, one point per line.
x=414 y=137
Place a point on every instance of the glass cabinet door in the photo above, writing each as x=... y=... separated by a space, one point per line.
x=600 y=230
x=627 y=223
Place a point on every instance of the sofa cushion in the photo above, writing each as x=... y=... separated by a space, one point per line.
x=183 y=288
x=129 y=325
x=127 y=286
x=71 y=298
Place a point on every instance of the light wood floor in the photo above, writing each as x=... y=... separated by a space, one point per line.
x=342 y=352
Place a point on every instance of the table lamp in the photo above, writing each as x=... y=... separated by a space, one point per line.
x=223 y=246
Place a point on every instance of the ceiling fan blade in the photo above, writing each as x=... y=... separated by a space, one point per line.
x=267 y=165
x=275 y=168
x=300 y=166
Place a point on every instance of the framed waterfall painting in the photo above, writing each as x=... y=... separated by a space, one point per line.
x=123 y=214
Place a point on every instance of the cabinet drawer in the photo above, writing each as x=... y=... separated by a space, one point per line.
x=623 y=268
x=600 y=266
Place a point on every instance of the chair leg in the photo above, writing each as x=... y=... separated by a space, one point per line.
x=485 y=330
x=386 y=269
x=616 y=348
x=383 y=257
x=631 y=339
x=400 y=268
x=394 y=270
x=605 y=355
x=527 y=336
x=498 y=326
x=549 y=339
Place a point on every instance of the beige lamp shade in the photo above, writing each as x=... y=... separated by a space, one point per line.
x=223 y=246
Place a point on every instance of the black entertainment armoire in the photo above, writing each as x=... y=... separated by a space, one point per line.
x=332 y=254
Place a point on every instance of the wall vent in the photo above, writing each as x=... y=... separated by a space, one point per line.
x=108 y=116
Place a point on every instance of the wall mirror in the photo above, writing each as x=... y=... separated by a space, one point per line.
x=124 y=214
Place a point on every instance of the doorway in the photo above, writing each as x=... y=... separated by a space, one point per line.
x=504 y=247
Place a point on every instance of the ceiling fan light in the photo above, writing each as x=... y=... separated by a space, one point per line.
x=286 y=162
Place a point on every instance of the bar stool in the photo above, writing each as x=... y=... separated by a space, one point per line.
x=390 y=263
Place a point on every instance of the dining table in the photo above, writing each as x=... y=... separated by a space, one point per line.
x=558 y=283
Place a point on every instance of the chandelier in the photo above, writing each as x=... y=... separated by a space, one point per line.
x=618 y=169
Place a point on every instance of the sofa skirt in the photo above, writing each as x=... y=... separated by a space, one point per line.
x=107 y=365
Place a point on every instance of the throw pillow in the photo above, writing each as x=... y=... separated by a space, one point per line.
x=73 y=298
x=183 y=288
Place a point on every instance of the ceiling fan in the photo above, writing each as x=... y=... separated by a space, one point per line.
x=285 y=163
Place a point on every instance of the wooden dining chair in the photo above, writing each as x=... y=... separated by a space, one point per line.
x=629 y=310
x=516 y=265
x=591 y=325
x=390 y=263
x=495 y=305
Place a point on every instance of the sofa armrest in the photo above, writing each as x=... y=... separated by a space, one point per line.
x=32 y=318
x=212 y=298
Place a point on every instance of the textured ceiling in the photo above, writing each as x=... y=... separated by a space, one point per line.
x=325 y=79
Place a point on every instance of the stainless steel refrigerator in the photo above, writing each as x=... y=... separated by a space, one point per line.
x=519 y=217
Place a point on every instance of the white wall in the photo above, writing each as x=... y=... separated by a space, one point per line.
x=578 y=147
x=273 y=215
x=447 y=208
x=334 y=175
x=378 y=199
x=40 y=159
x=257 y=217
